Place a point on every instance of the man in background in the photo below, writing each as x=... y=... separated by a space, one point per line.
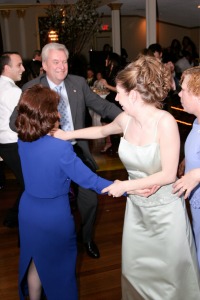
x=156 y=50
x=11 y=69
x=35 y=65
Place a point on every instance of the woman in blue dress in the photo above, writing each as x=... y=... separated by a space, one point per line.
x=47 y=232
x=189 y=184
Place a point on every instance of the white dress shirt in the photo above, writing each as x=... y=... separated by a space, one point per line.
x=182 y=64
x=9 y=98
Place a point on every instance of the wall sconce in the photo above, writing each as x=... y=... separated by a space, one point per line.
x=53 y=36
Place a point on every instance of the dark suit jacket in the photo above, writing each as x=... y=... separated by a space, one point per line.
x=80 y=96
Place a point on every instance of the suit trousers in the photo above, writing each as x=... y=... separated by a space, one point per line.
x=9 y=153
x=87 y=203
x=2 y=174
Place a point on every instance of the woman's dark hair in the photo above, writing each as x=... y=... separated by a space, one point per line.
x=114 y=59
x=37 y=113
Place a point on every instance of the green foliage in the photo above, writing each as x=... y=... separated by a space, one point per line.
x=74 y=23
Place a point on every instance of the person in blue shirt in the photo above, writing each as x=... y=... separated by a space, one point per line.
x=189 y=184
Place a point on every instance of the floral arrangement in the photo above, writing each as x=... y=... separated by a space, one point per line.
x=74 y=23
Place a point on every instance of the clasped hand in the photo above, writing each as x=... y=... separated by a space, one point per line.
x=118 y=189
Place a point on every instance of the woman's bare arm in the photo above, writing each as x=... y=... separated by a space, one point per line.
x=94 y=132
x=169 y=142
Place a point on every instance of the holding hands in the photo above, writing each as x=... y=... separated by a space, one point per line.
x=118 y=188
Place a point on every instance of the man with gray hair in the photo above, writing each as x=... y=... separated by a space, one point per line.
x=75 y=98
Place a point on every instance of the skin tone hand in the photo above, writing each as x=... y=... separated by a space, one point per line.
x=107 y=86
x=187 y=183
x=145 y=192
x=60 y=134
x=118 y=188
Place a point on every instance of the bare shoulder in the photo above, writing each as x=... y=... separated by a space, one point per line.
x=166 y=118
x=121 y=120
x=167 y=122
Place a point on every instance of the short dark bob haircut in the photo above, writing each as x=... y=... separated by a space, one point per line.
x=37 y=113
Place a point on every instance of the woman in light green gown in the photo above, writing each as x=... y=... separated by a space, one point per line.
x=158 y=251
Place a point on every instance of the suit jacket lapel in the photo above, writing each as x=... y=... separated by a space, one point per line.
x=43 y=80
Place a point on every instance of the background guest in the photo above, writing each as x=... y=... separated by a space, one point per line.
x=11 y=69
x=174 y=50
x=184 y=63
x=156 y=49
x=98 y=84
x=112 y=67
x=90 y=77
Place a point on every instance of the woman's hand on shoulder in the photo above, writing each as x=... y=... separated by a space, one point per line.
x=61 y=134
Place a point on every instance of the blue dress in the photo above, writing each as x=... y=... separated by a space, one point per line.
x=46 y=226
x=192 y=161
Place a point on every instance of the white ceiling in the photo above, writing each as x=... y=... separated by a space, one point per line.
x=179 y=12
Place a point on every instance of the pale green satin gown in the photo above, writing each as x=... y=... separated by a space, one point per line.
x=158 y=251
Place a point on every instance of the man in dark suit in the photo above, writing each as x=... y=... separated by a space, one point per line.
x=77 y=97
x=35 y=65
